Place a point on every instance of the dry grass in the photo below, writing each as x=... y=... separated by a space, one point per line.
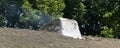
x=24 y=38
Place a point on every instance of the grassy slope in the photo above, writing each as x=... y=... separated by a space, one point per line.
x=24 y=38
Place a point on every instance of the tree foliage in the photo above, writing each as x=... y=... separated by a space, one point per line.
x=49 y=7
x=95 y=17
x=39 y=9
x=28 y=13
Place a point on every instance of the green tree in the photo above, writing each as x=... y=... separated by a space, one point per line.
x=50 y=7
x=32 y=11
x=35 y=10
x=10 y=10
x=94 y=15
x=112 y=17
x=75 y=9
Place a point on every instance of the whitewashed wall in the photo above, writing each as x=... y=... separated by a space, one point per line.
x=65 y=27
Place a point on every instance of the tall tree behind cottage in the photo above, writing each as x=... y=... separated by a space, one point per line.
x=32 y=11
x=95 y=17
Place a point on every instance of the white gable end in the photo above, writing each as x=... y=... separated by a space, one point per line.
x=70 y=28
x=65 y=27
